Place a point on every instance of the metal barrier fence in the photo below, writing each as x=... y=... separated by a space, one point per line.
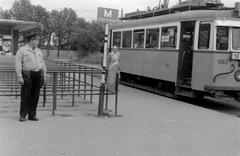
x=63 y=79
x=106 y=92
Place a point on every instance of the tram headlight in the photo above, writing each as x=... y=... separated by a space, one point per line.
x=237 y=75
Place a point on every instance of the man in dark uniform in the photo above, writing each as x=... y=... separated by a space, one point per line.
x=31 y=74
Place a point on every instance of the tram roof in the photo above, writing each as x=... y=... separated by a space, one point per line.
x=191 y=15
x=20 y=25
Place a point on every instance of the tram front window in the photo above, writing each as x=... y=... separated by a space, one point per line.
x=222 y=38
x=236 y=39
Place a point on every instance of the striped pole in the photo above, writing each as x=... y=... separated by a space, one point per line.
x=103 y=83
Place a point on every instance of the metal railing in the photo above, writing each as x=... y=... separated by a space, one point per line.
x=65 y=80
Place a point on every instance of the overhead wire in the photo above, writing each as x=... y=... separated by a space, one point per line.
x=72 y=3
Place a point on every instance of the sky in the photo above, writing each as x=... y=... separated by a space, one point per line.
x=88 y=8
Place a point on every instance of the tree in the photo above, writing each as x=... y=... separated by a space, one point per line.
x=42 y=16
x=63 y=28
x=98 y=30
x=84 y=40
x=63 y=23
x=5 y=14
x=22 y=10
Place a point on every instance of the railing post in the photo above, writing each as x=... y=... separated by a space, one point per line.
x=79 y=80
x=91 y=85
x=116 y=96
x=73 y=88
x=54 y=92
x=16 y=82
x=61 y=83
x=85 y=82
x=106 y=104
x=101 y=99
x=44 y=95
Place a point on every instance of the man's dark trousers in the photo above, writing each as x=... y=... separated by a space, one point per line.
x=30 y=93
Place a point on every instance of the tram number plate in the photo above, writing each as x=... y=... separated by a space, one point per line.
x=235 y=56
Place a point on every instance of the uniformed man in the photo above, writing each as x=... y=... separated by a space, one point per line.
x=31 y=74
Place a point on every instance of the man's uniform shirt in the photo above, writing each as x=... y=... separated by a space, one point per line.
x=29 y=59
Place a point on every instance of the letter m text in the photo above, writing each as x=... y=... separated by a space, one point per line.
x=108 y=13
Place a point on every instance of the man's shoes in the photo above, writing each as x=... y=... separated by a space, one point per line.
x=33 y=118
x=22 y=119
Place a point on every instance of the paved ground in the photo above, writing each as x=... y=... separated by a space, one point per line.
x=152 y=126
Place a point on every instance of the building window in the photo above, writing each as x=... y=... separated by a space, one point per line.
x=127 y=39
x=222 y=38
x=117 y=39
x=236 y=39
x=204 y=36
x=152 y=38
x=169 y=37
x=6 y=30
x=138 y=38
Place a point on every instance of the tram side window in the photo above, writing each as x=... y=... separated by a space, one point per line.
x=152 y=38
x=169 y=37
x=127 y=39
x=236 y=39
x=117 y=39
x=204 y=36
x=138 y=38
x=222 y=38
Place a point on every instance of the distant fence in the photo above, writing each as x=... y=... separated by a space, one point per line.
x=72 y=55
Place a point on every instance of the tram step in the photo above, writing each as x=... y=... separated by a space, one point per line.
x=188 y=81
x=185 y=86
x=184 y=94
x=184 y=90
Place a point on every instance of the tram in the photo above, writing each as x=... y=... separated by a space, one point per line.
x=192 y=49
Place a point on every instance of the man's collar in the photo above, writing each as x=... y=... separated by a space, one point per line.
x=30 y=48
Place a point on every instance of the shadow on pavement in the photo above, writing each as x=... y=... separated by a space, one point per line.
x=230 y=108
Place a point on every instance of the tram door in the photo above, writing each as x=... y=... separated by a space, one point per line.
x=186 y=53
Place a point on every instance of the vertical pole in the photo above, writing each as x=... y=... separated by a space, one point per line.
x=79 y=80
x=122 y=13
x=61 y=83
x=102 y=87
x=73 y=88
x=44 y=95
x=106 y=103
x=54 y=92
x=69 y=80
x=11 y=83
x=116 y=97
x=85 y=81
x=91 y=85
x=16 y=82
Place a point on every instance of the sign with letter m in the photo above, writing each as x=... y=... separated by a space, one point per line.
x=107 y=15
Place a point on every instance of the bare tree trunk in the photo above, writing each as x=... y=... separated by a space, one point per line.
x=59 y=40
x=48 y=43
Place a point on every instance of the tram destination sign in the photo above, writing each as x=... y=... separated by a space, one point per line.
x=107 y=15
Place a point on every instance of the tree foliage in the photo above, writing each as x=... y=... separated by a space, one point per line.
x=63 y=28
x=5 y=14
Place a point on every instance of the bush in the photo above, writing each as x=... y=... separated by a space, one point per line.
x=51 y=47
x=92 y=58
